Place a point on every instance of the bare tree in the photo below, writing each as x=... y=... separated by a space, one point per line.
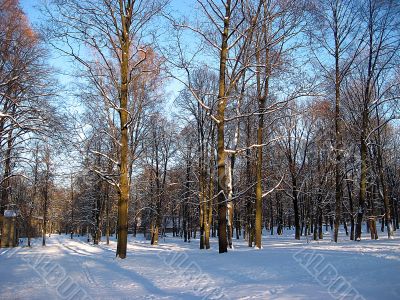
x=115 y=32
x=337 y=33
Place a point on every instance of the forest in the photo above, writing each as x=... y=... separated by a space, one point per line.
x=228 y=120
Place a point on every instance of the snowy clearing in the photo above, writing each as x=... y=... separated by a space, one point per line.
x=283 y=269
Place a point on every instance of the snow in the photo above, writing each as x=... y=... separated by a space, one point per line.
x=283 y=269
x=11 y=213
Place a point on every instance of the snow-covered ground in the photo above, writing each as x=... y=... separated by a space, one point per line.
x=283 y=269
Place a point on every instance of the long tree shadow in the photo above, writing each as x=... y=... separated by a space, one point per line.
x=133 y=276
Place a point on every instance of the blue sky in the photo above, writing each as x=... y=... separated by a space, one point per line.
x=62 y=64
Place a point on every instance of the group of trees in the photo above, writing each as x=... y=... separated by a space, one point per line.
x=27 y=117
x=286 y=118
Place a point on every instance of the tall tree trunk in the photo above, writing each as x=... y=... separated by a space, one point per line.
x=258 y=202
x=296 y=208
x=7 y=173
x=72 y=209
x=126 y=15
x=209 y=219
x=45 y=199
x=262 y=93
x=222 y=101
x=249 y=204
x=186 y=200
x=229 y=205
x=338 y=143
x=350 y=194
x=271 y=211
x=108 y=205
x=363 y=186
x=203 y=217
x=107 y=219
x=229 y=183
x=34 y=194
